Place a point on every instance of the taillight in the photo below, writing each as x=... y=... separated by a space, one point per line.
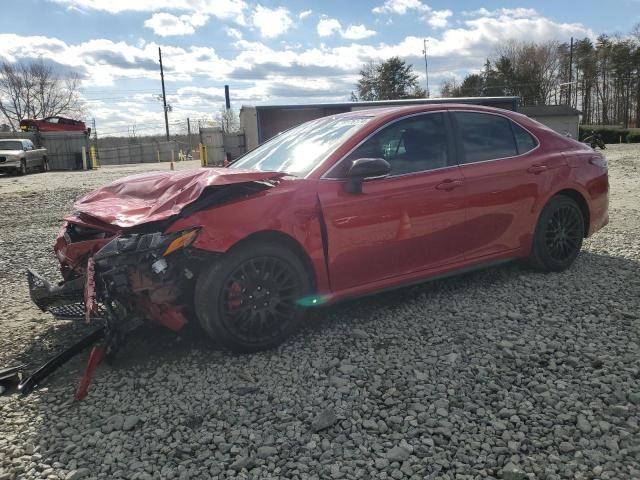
x=599 y=161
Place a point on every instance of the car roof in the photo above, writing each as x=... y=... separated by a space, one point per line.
x=382 y=112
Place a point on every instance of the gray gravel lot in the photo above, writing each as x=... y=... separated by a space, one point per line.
x=503 y=373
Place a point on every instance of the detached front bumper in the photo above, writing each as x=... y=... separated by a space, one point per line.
x=145 y=276
x=65 y=301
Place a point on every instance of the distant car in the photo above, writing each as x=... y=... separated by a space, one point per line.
x=20 y=155
x=339 y=207
x=54 y=124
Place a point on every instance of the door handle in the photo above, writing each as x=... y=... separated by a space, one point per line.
x=449 y=184
x=537 y=169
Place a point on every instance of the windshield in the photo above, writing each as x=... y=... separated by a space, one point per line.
x=298 y=150
x=5 y=145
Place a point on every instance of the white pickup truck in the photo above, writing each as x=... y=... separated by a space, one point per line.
x=19 y=156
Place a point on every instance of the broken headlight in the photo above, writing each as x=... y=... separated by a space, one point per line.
x=164 y=244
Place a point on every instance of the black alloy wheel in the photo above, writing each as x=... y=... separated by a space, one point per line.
x=558 y=236
x=564 y=233
x=259 y=298
x=248 y=300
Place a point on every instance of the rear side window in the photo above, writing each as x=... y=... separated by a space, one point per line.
x=524 y=141
x=485 y=136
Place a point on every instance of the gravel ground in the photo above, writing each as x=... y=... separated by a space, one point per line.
x=502 y=373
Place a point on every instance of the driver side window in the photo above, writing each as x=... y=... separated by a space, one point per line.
x=414 y=144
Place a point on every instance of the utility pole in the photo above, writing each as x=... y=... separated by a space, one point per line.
x=189 y=134
x=426 y=65
x=570 y=70
x=164 y=95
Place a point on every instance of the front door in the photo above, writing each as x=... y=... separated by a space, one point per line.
x=406 y=222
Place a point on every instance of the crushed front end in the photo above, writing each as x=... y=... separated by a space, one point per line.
x=120 y=274
x=118 y=279
x=123 y=262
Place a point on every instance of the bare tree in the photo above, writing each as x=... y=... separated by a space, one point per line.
x=535 y=69
x=35 y=90
x=450 y=88
x=229 y=120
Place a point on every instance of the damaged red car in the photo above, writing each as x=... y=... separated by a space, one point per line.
x=338 y=207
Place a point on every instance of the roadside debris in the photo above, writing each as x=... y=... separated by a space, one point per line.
x=56 y=362
x=10 y=376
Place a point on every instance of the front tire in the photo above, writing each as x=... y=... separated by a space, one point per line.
x=558 y=237
x=23 y=168
x=248 y=299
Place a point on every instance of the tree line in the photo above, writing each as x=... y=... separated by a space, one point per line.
x=601 y=78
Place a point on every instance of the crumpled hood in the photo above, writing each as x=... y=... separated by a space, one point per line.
x=145 y=198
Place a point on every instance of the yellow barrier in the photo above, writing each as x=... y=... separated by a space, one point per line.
x=203 y=155
x=94 y=158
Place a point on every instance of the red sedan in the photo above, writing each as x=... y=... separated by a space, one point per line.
x=338 y=207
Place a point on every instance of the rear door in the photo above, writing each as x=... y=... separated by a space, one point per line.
x=403 y=223
x=504 y=173
x=31 y=154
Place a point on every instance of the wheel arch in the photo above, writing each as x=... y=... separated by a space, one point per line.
x=576 y=196
x=275 y=236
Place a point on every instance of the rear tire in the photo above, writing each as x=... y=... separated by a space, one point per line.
x=247 y=300
x=558 y=237
x=45 y=165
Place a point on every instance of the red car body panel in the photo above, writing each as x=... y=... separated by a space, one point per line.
x=399 y=230
x=145 y=198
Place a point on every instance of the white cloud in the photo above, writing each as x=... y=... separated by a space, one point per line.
x=304 y=14
x=271 y=22
x=438 y=18
x=166 y=24
x=435 y=18
x=234 y=33
x=224 y=9
x=502 y=12
x=330 y=26
x=357 y=32
x=400 y=7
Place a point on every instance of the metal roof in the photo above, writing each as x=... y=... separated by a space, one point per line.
x=413 y=101
x=549 y=111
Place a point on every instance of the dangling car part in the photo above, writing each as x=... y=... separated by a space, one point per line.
x=338 y=207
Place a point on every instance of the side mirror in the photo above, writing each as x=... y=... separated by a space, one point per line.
x=365 y=169
x=25 y=148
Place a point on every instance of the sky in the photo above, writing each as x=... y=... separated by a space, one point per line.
x=271 y=52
